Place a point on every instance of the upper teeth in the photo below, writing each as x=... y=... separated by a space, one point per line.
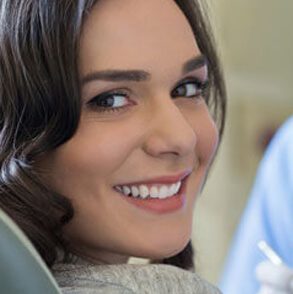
x=153 y=191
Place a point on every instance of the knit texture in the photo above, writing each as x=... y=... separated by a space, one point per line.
x=86 y=278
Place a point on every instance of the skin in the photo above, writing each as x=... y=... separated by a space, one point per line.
x=153 y=135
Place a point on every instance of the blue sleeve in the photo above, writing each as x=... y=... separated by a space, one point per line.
x=268 y=216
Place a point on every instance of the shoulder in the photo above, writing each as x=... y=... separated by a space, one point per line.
x=277 y=164
x=130 y=278
x=283 y=140
x=87 y=279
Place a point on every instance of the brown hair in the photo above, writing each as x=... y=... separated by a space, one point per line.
x=40 y=108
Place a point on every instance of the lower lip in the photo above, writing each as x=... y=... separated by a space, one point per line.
x=160 y=206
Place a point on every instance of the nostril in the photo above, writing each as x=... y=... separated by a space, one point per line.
x=171 y=140
x=171 y=129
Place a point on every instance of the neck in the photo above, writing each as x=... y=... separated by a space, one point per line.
x=101 y=257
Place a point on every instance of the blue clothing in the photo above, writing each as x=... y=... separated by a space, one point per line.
x=268 y=216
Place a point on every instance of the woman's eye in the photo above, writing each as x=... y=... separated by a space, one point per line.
x=109 y=102
x=189 y=89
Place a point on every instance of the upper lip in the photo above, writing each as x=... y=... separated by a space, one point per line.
x=168 y=179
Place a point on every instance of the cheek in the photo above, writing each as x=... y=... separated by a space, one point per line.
x=96 y=150
x=208 y=139
x=206 y=132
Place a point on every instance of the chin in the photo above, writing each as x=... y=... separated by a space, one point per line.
x=163 y=248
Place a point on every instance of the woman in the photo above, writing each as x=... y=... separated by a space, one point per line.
x=111 y=113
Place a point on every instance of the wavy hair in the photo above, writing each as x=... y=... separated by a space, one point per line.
x=40 y=108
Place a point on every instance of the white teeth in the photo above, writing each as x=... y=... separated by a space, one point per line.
x=172 y=189
x=126 y=190
x=154 y=193
x=164 y=192
x=178 y=185
x=143 y=191
x=134 y=191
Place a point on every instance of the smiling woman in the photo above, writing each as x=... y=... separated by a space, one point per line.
x=111 y=114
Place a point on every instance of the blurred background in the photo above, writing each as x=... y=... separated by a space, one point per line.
x=256 y=47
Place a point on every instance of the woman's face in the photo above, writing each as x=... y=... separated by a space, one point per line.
x=144 y=128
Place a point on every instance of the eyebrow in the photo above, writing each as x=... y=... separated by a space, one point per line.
x=117 y=76
x=194 y=63
x=139 y=75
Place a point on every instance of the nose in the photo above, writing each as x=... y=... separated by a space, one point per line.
x=169 y=132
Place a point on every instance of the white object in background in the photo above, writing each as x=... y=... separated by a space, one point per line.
x=269 y=253
x=274 y=276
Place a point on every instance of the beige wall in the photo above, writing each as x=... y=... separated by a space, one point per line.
x=256 y=44
x=256 y=37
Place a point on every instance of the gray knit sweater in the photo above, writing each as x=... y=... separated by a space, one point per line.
x=85 y=278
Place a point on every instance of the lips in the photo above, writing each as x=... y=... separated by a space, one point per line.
x=156 y=205
x=170 y=179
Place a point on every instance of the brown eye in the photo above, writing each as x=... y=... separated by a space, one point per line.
x=189 y=89
x=110 y=101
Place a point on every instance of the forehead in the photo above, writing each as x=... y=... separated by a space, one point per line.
x=135 y=34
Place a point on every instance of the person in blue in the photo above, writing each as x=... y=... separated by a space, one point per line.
x=269 y=217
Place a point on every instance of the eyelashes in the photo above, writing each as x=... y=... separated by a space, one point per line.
x=118 y=100
x=190 y=88
x=110 y=101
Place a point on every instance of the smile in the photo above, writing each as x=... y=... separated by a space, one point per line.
x=159 y=195
x=160 y=191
